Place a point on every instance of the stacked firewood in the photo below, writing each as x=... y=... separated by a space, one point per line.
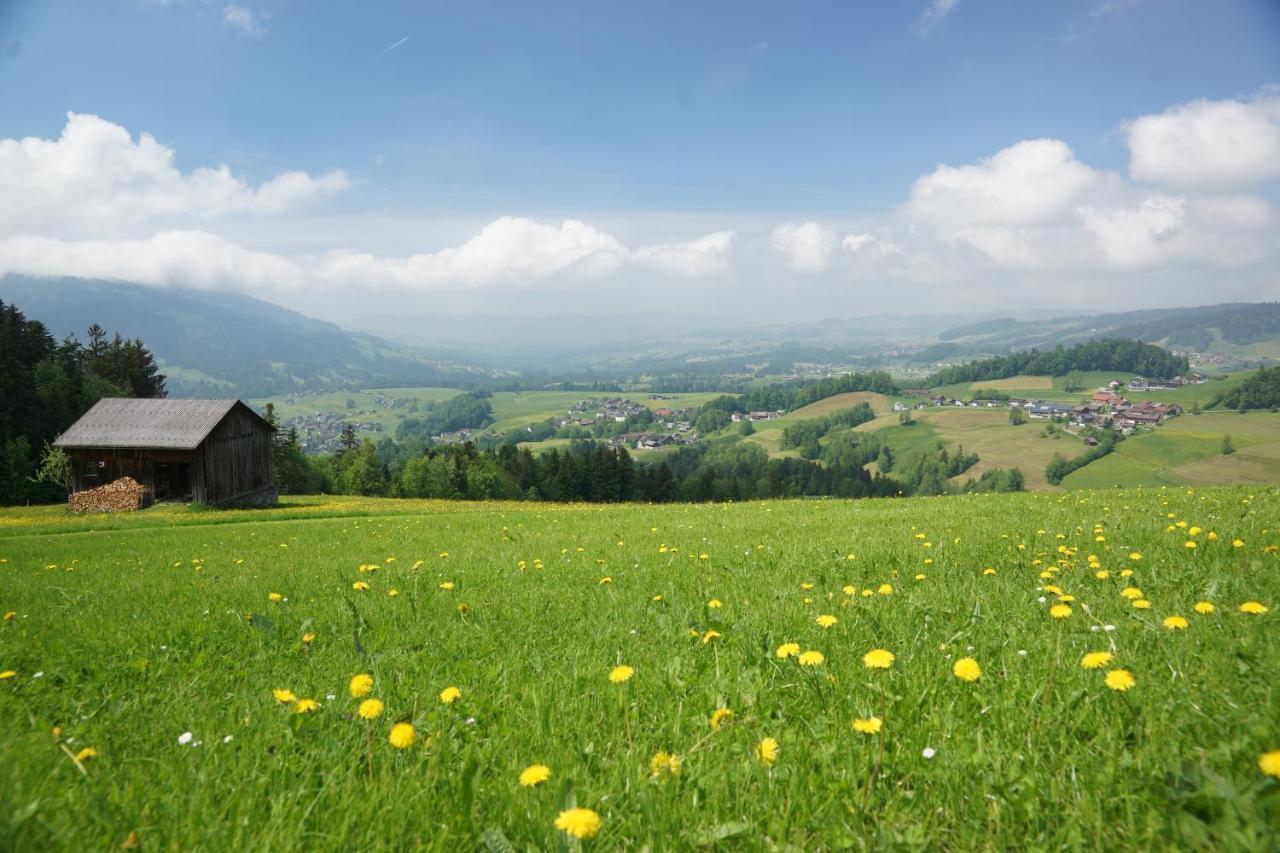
x=122 y=495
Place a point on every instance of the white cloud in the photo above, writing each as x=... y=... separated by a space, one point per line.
x=932 y=17
x=95 y=177
x=1138 y=236
x=245 y=20
x=194 y=259
x=1208 y=145
x=807 y=246
x=1033 y=182
x=706 y=256
x=510 y=251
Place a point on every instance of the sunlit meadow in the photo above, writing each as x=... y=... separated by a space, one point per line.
x=1093 y=669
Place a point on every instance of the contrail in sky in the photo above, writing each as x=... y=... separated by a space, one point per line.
x=394 y=46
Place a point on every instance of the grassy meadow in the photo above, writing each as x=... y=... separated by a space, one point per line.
x=181 y=679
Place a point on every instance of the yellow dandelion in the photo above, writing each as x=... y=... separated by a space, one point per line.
x=370 y=709
x=7 y=674
x=1204 y=607
x=767 y=751
x=447 y=585
x=967 y=669
x=360 y=586
x=620 y=674
x=282 y=696
x=664 y=762
x=605 y=580
x=1120 y=679
x=275 y=596
x=402 y=736
x=86 y=753
x=308 y=638
x=580 y=823
x=826 y=620
x=811 y=658
x=1131 y=592
x=534 y=774
x=1140 y=604
x=720 y=717
x=450 y=695
x=711 y=634
x=878 y=659
x=1096 y=660
x=11 y=615
x=988 y=571
x=1237 y=543
x=464 y=608
x=360 y=685
x=1253 y=608
x=1175 y=623
x=1060 y=611
x=885 y=589
x=305 y=706
x=715 y=604
x=1269 y=763
x=868 y=726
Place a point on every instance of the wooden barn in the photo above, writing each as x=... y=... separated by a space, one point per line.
x=214 y=451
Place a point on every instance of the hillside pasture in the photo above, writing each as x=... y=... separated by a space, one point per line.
x=986 y=432
x=1187 y=451
x=1020 y=383
x=516 y=409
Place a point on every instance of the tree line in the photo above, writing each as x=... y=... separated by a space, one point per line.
x=45 y=385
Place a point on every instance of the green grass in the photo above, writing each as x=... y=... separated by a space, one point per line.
x=986 y=432
x=149 y=625
x=515 y=409
x=1187 y=451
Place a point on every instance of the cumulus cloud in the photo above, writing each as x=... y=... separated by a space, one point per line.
x=1208 y=145
x=807 y=246
x=94 y=177
x=245 y=20
x=195 y=259
x=932 y=17
x=1033 y=182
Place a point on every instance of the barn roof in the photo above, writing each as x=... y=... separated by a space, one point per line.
x=153 y=423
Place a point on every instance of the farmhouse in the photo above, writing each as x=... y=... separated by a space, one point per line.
x=214 y=451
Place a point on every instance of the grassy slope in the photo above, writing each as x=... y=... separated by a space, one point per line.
x=986 y=432
x=1037 y=387
x=514 y=409
x=139 y=626
x=768 y=434
x=1187 y=451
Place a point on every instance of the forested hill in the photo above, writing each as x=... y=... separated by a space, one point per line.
x=1128 y=356
x=229 y=345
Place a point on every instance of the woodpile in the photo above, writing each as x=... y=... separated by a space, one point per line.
x=122 y=495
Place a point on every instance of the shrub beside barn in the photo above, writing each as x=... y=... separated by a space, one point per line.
x=217 y=452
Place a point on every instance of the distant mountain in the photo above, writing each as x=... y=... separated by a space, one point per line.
x=1220 y=328
x=221 y=344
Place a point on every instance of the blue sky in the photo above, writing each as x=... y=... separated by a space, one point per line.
x=651 y=122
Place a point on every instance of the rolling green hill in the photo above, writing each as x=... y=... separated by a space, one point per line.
x=221 y=345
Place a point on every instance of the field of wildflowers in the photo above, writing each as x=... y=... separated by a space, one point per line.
x=1089 y=669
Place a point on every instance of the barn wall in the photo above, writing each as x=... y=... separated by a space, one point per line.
x=93 y=467
x=233 y=465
